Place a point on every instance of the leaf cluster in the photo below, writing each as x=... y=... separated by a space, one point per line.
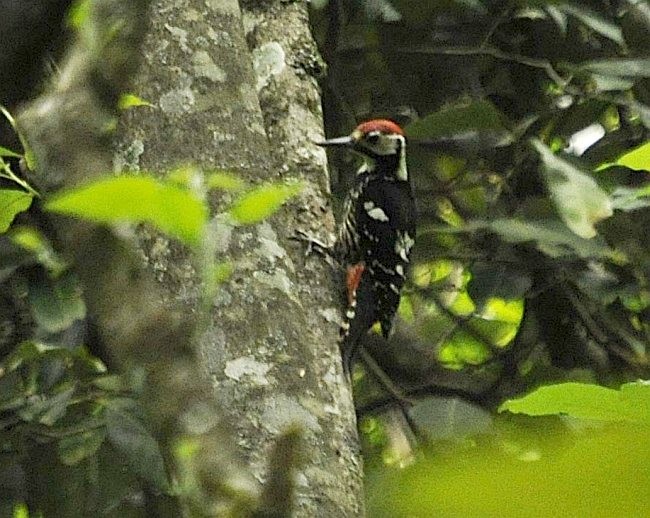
x=58 y=399
x=527 y=128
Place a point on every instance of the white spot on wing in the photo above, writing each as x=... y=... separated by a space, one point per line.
x=377 y=214
x=403 y=245
x=400 y=270
x=383 y=268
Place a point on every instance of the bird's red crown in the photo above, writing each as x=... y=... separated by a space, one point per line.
x=383 y=125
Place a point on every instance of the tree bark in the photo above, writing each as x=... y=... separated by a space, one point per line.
x=270 y=349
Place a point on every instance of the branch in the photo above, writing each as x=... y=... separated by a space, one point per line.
x=542 y=64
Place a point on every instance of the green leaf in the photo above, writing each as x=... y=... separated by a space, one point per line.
x=621 y=67
x=593 y=20
x=550 y=236
x=462 y=349
x=135 y=442
x=8 y=152
x=50 y=408
x=24 y=353
x=629 y=404
x=637 y=159
x=12 y=203
x=225 y=181
x=30 y=159
x=136 y=199
x=78 y=13
x=263 y=201
x=580 y=202
x=56 y=303
x=477 y=116
x=75 y=448
x=20 y=511
x=600 y=474
x=34 y=242
x=130 y=101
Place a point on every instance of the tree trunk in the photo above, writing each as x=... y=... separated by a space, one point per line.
x=270 y=349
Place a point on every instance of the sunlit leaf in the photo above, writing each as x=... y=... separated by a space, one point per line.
x=130 y=101
x=224 y=181
x=33 y=241
x=405 y=308
x=462 y=349
x=9 y=153
x=638 y=158
x=630 y=404
x=598 y=474
x=30 y=159
x=20 y=511
x=261 y=202
x=12 y=203
x=78 y=13
x=136 y=199
x=580 y=202
x=461 y=304
x=498 y=309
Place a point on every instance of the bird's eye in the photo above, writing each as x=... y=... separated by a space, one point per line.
x=373 y=138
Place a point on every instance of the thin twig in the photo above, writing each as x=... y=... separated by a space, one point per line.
x=542 y=64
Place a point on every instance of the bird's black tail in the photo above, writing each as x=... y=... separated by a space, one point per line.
x=358 y=319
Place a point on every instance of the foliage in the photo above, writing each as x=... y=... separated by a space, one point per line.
x=629 y=404
x=535 y=466
x=492 y=96
x=59 y=404
x=527 y=127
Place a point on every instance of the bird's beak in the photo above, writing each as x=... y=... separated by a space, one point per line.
x=339 y=141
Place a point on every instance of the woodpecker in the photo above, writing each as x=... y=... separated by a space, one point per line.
x=377 y=232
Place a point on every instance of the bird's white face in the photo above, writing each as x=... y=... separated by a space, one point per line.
x=378 y=142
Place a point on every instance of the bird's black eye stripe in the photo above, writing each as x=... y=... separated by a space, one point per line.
x=372 y=138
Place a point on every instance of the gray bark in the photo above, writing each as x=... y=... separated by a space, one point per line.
x=270 y=348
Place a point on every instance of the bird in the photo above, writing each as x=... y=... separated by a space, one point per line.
x=377 y=232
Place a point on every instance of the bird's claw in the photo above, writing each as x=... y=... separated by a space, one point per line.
x=314 y=245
